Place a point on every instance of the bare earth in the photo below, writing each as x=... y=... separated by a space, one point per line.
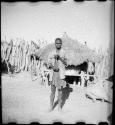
x=26 y=101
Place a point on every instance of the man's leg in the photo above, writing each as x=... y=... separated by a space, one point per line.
x=52 y=96
x=59 y=99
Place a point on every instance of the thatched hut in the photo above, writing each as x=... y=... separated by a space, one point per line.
x=78 y=56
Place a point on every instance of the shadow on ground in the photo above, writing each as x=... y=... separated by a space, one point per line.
x=65 y=95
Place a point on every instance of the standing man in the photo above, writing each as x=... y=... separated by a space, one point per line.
x=57 y=62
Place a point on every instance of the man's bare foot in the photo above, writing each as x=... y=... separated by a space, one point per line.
x=59 y=109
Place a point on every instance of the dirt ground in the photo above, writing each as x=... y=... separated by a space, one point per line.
x=26 y=101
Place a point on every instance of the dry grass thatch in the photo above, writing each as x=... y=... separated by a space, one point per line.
x=76 y=52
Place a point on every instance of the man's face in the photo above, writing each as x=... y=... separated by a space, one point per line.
x=58 y=44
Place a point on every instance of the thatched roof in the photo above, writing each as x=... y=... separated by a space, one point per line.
x=76 y=52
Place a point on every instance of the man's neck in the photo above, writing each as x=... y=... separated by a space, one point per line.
x=58 y=49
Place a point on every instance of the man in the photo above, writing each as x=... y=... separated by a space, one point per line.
x=57 y=62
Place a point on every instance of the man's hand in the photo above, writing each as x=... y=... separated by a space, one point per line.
x=53 y=67
x=56 y=69
x=50 y=66
x=61 y=59
x=56 y=57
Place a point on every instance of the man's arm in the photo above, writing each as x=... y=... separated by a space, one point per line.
x=64 y=60
x=50 y=62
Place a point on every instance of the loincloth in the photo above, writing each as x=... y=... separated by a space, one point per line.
x=59 y=83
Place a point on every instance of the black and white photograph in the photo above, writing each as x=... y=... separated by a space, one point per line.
x=57 y=61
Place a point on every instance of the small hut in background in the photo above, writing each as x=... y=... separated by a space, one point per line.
x=80 y=59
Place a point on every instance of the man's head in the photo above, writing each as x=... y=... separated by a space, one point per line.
x=58 y=43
